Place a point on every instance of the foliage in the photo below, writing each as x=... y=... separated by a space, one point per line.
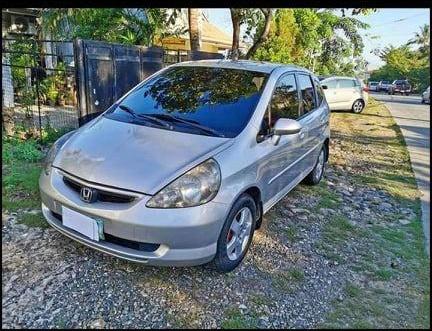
x=15 y=149
x=422 y=39
x=317 y=39
x=406 y=63
x=19 y=59
x=134 y=26
x=50 y=134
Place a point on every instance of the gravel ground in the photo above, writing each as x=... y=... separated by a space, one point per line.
x=286 y=279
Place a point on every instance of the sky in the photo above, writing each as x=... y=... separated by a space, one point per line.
x=391 y=26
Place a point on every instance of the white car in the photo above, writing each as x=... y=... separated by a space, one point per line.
x=426 y=96
x=373 y=86
x=344 y=93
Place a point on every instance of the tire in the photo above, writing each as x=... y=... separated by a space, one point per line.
x=423 y=101
x=317 y=172
x=223 y=260
x=358 y=106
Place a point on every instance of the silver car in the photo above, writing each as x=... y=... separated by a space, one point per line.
x=426 y=96
x=181 y=169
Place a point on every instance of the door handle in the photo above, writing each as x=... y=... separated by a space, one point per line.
x=302 y=135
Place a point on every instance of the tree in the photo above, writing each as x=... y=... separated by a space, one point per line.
x=262 y=36
x=403 y=63
x=253 y=18
x=310 y=38
x=194 y=29
x=422 y=39
x=141 y=26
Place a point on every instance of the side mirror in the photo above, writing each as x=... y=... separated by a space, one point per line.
x=325 y=87
x=285 y=126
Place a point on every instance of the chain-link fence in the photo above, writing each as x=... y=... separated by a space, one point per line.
x=38 y=86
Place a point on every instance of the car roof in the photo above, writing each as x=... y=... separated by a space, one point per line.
x=260 y=66
x=339 y=77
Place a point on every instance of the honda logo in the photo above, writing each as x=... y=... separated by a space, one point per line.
x=88 y=194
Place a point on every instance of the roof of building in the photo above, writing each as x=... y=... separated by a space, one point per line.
x=260 y=66
x=211 y=33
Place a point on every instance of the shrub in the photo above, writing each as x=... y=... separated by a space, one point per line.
x=24 y=150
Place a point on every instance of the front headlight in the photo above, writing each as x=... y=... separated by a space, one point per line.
x=54 y=150
x=196 y=187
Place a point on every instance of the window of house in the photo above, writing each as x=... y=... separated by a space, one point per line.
x=307 y=92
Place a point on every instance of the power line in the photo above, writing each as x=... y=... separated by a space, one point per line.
x=400 y=19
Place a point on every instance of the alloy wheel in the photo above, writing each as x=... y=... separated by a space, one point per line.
x=358 y=106
x=239 y=233
x=320 y=166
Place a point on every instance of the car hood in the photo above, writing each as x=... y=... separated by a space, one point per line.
x=134 y=157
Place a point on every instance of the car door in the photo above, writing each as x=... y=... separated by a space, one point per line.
x=334 y=95
x=348 y=92
x=314 y=118
x=278 y=168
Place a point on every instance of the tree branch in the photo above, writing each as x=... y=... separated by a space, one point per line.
x=268 y=14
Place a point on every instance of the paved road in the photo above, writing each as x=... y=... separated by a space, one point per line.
x=414 y=120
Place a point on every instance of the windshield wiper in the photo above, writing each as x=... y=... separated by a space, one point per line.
x=144 y=116
x=191 y=123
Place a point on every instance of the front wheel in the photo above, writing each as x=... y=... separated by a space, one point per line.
x=317 y=172
x=357 y=106
x=236 y=235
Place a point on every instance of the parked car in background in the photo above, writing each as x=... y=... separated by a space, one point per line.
x=344 y=93
x=401 y=86
x=383 y=85
x=180 y=170
x=426 y=96
x=373 y=86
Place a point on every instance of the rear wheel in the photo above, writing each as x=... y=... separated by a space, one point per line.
x=317 y=172
x=236 y=235
x=358 y=106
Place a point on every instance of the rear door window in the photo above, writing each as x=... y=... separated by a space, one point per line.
x=346 y=83
x=331 y=84
x=307 y=92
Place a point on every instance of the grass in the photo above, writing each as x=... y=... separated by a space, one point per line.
x=234 y=319
x=287 y=280
x=390 y=258
x=22 y=164
x=33 y=220
x=291 y=233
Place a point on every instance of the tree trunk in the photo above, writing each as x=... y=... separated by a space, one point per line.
x=235 y=18
x=194 y=30
x=268 y=14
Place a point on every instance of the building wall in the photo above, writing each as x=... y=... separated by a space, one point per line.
x=184 y=44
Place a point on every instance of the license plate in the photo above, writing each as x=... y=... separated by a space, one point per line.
x=85 y=225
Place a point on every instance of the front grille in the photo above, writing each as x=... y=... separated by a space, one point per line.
x=103 y=196
x=144 y=247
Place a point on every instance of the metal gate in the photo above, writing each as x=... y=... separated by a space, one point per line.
x=106 y=71
x=38 y=86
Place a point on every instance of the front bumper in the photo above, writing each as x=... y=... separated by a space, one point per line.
x=183 y=236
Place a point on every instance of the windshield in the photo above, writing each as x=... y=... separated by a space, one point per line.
x=199 y=100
